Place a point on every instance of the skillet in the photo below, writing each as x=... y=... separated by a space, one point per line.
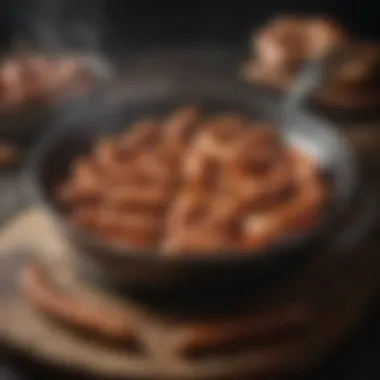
x=110 y=110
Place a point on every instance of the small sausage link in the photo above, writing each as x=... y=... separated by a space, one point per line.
x=261 y=190
x=259 y=147
x=140 y=229
x=282 y=44
x=180 y=126
x=144 y=134
x=135 y=195
x=108 y=323
x=360 y=69
x=255 y=325
x=223 y=213
x=197 y=239
x=85 y=183
x=155 y=170
x=296 y=216
x=136 y=221
x=206 y=225
x=200 y=170
x=212 y=145
x=105 y=152
x=188 y=208
x=110 y=156
x=304 y=166
x=323 y=34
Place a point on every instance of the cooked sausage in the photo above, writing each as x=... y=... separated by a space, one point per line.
x=282 y=44
x=108 y=323
x=200 y=169
x=359 y=69
x=323 y=34
x=85 y=183
x=261 y=190
x=140 y=197
x=180 y=125
x=187 y=209
x=216 y=141
x=140 y=136
x=258 y=324
x=257 y=150
x=197 y=239
x=298 y=215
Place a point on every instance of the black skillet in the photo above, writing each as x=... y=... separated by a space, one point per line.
x=226 y=273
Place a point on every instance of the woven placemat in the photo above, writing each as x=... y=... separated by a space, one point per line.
x=339 y=287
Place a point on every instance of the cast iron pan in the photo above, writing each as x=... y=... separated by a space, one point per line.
x=76 y=131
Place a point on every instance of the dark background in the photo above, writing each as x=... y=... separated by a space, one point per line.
x=123 y=23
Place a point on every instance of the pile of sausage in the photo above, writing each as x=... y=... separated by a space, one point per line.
x=36 y=77
x=284 y=44
x=194 y=183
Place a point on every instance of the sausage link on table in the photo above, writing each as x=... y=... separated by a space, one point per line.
x=111 y=324
x=255 y=325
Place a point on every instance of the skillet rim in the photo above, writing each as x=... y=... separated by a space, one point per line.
x=113 y=254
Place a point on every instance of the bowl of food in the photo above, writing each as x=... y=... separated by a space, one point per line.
x=33 y=84
x=193 y=187
x=281 y=47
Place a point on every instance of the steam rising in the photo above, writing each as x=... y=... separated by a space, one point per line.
x=61 y=25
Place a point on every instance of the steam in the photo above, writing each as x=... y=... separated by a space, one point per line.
x=61 y=25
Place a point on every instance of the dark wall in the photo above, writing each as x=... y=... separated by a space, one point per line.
x=226 y=21
x=158 y=22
